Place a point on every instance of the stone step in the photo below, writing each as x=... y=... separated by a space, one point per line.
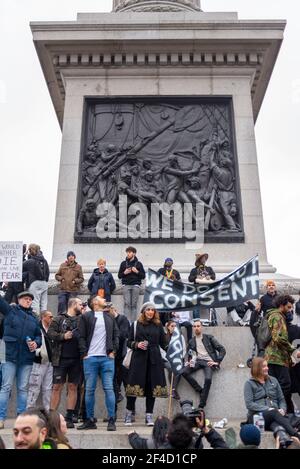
x=101 y=439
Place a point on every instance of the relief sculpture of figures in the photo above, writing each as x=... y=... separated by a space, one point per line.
x=156 y=151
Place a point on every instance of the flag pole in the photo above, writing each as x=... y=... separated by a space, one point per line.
x=170 y=396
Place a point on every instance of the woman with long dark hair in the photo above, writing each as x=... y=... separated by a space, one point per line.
x=146 y=377
x=57 y=429
x=263 y=394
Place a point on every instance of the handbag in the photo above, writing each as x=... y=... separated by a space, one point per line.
x=127 y=359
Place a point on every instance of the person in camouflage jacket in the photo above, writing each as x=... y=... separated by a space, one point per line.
x=279 y=350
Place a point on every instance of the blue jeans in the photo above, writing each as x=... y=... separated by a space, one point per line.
x=9 y=372
x=63 y=298
x=105 y=368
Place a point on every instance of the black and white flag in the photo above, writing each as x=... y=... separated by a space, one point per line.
x=239 y=286
x=175 y=353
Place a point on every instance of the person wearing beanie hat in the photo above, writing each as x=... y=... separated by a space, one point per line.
x=171 y=274
x=70 y=277
x=250 y=437
x=71 y=254
x=146 y=377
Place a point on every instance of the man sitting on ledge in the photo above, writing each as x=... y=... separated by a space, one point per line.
x=205 y=353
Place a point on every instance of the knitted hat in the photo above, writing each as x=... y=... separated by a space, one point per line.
x=250 y=435
x=168 y=260
x=148 y=305
x=71 y=253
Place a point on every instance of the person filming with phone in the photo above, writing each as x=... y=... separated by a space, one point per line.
x=188 y=429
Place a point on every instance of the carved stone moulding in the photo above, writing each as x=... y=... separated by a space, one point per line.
x=156 y=5
x=159 y=170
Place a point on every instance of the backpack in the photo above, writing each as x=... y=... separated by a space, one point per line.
x=39 y=269
x=263 y=333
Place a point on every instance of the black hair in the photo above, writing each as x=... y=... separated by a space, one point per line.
x=40 y=413
x=180 y=434
x=131 y=249
x=160 y=430
x=283 y=300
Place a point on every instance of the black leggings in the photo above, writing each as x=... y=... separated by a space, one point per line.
x=150 y=401
x=273 y=418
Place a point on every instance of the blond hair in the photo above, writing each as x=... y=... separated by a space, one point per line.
x=101 y=261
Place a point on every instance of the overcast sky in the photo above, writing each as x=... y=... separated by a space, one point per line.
x=30 y=134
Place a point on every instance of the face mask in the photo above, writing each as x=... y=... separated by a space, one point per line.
x=289 y=317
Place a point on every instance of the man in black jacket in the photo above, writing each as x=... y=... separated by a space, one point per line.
x=131 y=273
x=205 y=353
x=99 y=342
x=120 y=371
x=36 y=272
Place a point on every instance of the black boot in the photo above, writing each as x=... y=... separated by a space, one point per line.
x=89 y=424
x=69 y=418
x=111 y=427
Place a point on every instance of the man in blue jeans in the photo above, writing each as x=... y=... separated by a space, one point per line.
x=98 y=343
x=21 y=335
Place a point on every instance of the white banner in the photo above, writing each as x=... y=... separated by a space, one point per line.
x=11 y=261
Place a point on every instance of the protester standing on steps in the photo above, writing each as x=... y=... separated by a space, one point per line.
x=131 y=273
x=70 y=277
x=201 y=275
x=146 y=374
x=171 y=274
x=278 y=352
x=22 y=336
x=41 y=377
x=64 y=334
x=36 y=276
x=101 y=282
x=99 y=342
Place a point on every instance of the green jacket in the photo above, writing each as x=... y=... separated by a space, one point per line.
x=279 y=350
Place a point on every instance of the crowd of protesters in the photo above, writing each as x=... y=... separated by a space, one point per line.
x=83 y=341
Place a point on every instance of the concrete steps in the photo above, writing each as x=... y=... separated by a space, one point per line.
x=101 y=439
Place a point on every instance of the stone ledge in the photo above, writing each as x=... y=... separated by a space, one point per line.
x=101 y=439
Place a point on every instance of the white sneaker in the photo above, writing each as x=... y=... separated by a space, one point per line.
x=1 y=424
x=149 y=420
x=128 y=419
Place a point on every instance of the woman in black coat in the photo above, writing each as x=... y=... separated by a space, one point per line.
x=146 y=376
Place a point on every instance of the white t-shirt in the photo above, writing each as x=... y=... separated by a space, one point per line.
x=98 y=342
